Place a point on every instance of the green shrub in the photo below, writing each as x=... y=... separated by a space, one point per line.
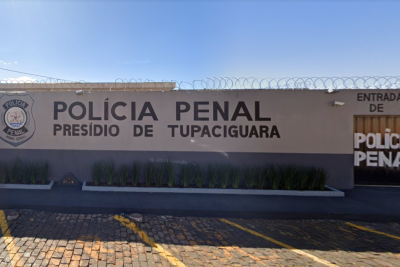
x=249 y=173
x=159 y=174
x=224 y=174
x=312 y=174
x=293 y=177
x=169 y=169
x=303 y=178
x=25 y=172
x=123 y=174
x=14 y=170
x=34 y=172
x=136 y=169
x=260 y=177
x=187 y=173
x=149 y=174
x=97 y=172
x=18 y=170
x=289 y=177
x=213 y=175
x=273 y=177
x=44 y=170
x=3 y=172
x=198 y=175
x=28 y=172
x=236 y=176
x=322 y=177
x=109 y=171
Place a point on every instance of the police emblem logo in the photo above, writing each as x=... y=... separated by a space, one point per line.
x=18 y=125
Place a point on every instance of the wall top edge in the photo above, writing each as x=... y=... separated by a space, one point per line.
x=11 y=88
x=148 y=86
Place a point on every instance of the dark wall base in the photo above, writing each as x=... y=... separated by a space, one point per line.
x=71 y=199
x=376 y=176
x=79 y=162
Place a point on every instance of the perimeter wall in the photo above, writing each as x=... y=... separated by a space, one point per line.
x=302 y=127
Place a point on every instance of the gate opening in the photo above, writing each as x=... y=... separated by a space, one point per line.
x=377 y=150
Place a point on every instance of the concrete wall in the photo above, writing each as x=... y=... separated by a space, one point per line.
x=303 y=128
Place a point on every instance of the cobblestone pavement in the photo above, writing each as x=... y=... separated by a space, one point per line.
x=52 y=239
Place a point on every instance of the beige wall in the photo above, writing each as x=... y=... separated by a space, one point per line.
x=306 y=120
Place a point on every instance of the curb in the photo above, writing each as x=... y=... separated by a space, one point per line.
x=28 y=186
x=332 y=193
x=361 y=217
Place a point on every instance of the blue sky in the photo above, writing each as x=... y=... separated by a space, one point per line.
x=100 y=41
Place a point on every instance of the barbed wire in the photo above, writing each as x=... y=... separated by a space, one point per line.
x=214 y=83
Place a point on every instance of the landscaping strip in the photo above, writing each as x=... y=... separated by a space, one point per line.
x=28 y=186
x=332 y=193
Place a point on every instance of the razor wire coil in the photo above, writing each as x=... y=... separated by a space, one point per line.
x=219 y=83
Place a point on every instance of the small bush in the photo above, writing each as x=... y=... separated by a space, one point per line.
x=3 y=172
x=249 y=173
x=289 y=177
x=123 y=174
x=225 y=174
x=25 y=171
x=312 y=175
x=198 y=175
x=303 y=178
x=293 y=177
x=136 y=169
x=213 y=175
x=14 y=170
x=159 y=174
x=236 y=176
x=321 y=180
x=260 y=177
x=97 y=172
x=29 y=172
x=187 y=173
x=149 y=174
x=109 y=171
x=44 y=172
x=34 y=172
x=273 y=177
x=169 y=170
x=10 y=171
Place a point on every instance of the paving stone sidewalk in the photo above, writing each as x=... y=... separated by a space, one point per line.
x=52 y=239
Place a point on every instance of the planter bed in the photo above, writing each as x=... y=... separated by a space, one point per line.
x=330 y=192
x=28 y=186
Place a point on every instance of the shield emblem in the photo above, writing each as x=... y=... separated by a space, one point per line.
x=17 y=123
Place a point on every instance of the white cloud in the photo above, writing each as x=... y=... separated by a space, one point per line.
x=9 y=63
x=20 y=79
